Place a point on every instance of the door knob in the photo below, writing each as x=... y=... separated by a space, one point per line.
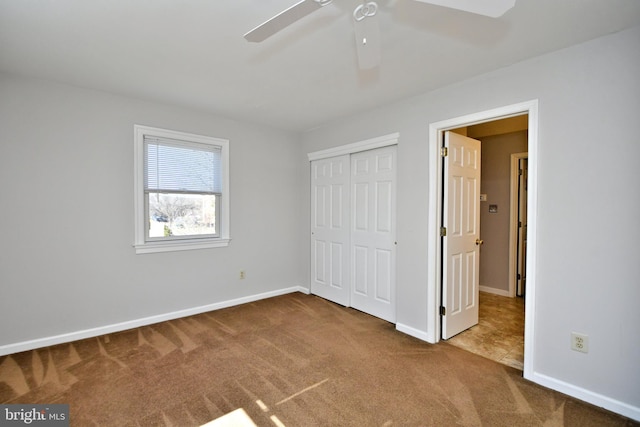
x=479 y=242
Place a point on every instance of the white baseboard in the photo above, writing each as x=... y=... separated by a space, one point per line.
x=416 y=333
x=494 y=291
x=123 y=326
x=304 y=290
x=591 y=397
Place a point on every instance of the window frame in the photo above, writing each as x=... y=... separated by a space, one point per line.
x=142 y=243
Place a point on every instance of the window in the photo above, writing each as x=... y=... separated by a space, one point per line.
x=181 y=190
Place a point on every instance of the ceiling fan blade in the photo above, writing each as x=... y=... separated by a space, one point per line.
x=283 y=20
x=367 y=33
x=492 y=8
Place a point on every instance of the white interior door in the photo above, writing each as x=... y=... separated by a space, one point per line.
x=461 y=244
x=373 y=246
x=330 y=229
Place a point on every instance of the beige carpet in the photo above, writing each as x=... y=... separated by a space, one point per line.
x=294 y=360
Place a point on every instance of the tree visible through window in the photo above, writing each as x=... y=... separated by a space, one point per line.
x=181 y=215
x=183 y=188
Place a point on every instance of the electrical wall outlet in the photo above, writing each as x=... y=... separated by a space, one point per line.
x=579 y=342
x=242 y=274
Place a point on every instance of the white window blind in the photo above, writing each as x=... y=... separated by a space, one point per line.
x=175 y=167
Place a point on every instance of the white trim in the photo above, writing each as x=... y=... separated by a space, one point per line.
x=588 y=396
x=304 y=290
x=494 y=291
x=356 y=147
x=176 y=245
x=141 y=245
x=435 y=195
x=123 y=326
x=532 y=239
x=416 y=333
x=513 y=220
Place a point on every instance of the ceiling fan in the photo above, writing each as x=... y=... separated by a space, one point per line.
x=367 y=30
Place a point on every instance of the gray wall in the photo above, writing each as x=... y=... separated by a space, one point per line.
x=588 y=204
x=66 y=189
x=494 y=227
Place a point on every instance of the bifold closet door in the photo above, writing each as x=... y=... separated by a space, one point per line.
x=330 y=229
x=373 y=223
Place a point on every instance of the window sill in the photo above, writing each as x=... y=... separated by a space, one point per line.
x=172 y=246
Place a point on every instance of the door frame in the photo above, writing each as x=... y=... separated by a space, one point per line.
x=513 y=220
x=434 y=261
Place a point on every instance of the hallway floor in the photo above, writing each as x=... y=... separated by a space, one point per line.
x=499 y=334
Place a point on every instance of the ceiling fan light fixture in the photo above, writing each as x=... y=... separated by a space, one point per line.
x=365 y=10
x=367 y=31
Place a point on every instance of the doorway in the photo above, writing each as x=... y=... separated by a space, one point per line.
x=437 y=131
x=497 y=331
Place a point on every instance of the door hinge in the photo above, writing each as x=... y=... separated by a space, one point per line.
x=443 y=231
x=518 y=276
x=444 y=151
x=519 y=171
x=443 y=310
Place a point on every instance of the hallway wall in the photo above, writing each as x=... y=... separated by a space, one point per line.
x=494 y=227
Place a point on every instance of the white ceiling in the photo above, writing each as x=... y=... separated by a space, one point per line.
x=192 y=53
